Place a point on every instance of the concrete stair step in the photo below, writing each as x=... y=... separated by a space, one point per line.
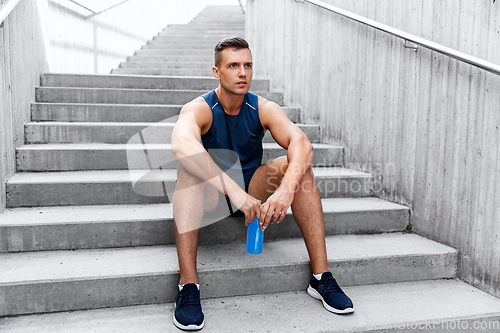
x=182 y=46
x=206 y=65
x=111 y=132
x=101 y=156
x=436 y=306
x=172 y=58
x=113 y=187
x=209 y=41
x=197 y=43
x=221 y=13
x=201 y=35
x=138 y=82
x=210 y=27
x=197 y=35
x=227 y=22
x=227 y=13
x=213 y=25
x=90 y=112
x=217 y=17
x=204 y=73
x=111 y=226
x=87 y=279
x=214 y=15
x=224 y=19
x=87 y=132
x=180 y=52
x=224 y=10
x=179 y=38
x=207 y=26
x=127 y=96
x=227 y=16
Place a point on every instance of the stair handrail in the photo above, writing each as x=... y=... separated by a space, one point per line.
x=450 y=52
x=6 y=9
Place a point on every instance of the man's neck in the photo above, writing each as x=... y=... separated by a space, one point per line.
x=231 y=103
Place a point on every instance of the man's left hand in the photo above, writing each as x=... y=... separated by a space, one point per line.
x=275 y=208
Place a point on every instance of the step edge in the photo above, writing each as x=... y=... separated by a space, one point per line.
x=123 y=175
x=90 y=255
x=164 y=310
x=16 y=214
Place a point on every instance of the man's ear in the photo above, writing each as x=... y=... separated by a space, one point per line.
x=215 y=71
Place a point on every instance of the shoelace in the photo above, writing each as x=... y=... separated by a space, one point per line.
x=189 y=298
x=330 y=285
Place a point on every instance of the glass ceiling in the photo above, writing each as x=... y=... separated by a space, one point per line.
x=89 y=7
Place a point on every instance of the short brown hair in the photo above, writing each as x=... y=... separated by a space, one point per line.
x=237 y=43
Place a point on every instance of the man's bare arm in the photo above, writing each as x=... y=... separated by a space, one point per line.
x=299 y=155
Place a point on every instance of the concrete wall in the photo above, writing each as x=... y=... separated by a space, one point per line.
x=80 y=44
x=427 y=126
x=22 y=59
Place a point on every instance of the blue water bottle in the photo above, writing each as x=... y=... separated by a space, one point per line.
x=255 y=237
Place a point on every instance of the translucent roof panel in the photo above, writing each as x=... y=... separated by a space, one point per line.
x=88 y=7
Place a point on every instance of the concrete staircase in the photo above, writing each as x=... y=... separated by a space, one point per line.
x=80 y=251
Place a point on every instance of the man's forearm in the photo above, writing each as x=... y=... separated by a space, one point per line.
x=299 y=161
x=195 y=159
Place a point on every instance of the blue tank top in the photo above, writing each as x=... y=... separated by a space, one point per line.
x=241 y=133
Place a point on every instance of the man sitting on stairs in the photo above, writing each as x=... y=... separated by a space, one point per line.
x=230 y=118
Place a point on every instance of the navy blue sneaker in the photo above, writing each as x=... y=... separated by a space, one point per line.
x=328 y=291
x=188 y=314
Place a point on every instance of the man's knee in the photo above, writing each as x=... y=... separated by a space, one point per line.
x=307 y=183
x=186 y=179
x=191 y=189
x=309 y=173
x=279 y=166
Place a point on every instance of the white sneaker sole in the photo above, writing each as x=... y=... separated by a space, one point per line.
x=314 y=293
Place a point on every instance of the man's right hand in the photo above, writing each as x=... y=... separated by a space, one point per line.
x=247 y=204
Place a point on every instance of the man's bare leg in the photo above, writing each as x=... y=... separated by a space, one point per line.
x=306 y=207
x=189 y=206
x=308 y=213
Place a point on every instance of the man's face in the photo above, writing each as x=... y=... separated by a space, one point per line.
x=235 y=71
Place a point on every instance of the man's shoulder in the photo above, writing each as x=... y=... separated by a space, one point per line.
x=265 y=104
x=197 y=104
x=270 y=113
x=200 y=110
